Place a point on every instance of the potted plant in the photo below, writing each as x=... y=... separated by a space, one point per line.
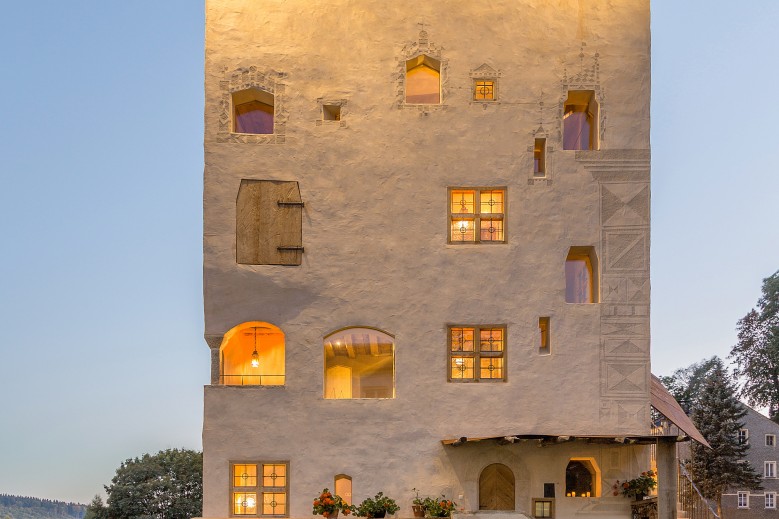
x=328 y=505
x=438 y=507
x=378 y=506
x=638 y=487
x=418 y=505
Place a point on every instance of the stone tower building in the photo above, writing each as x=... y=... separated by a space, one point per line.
x=426 y=253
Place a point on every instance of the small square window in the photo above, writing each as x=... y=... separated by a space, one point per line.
x=477 y=353
x=742 y=499
x=472 y=209
x=770 y=440
x=331 y=112
x=483 y=89
x=543 y=508
x=259 y=489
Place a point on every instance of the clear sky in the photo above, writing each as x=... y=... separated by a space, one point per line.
x=102 y=356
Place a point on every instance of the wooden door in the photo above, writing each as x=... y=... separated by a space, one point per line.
x=496 y=488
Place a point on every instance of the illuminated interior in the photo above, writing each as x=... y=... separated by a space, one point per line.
x=253 y=111
x=343 y=487
x=539 y=158
x=244 y=503
x=582 y=478
x=359 y=363
x=471 y=359
x=581 y=276
x=472 y=209
x=252 y=353
x=484 y=90
x=543 y=329
x=580 y=120
x=423 y=80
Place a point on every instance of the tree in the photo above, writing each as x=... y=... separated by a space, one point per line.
x=685 y=383
x=168 y=485
x=757 y=353
x=96 y=509
x=718 y=417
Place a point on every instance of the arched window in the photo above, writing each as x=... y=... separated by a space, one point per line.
x=359 y=363
x=253 y=111
x=496 y=488
x=580 y=121
x=423 y=80
x=343 y=487
x=582 y=478
x=581 y=275
x=252 y=354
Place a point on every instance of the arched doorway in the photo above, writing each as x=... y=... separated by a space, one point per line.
x=496 y=488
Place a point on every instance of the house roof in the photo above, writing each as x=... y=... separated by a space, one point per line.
x=667 y=405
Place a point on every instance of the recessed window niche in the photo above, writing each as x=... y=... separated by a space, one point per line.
x=423 y=80
x=253 y=111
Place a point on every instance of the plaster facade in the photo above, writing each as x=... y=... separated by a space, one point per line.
x=375 y=234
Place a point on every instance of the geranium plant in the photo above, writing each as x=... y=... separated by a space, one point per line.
x=377 y=506
x=643 y=484
x=328 y=505
x=438 y=507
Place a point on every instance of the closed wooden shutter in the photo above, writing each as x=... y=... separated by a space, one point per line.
x=496 y=488
x=269 y=223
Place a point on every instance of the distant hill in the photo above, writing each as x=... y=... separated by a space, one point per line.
x=33 y=508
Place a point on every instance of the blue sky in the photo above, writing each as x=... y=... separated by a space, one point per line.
x=102 y=356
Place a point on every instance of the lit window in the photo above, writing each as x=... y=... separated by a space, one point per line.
x=343 y=487
x=476 y=215
x=543 y=330
x=260 y=489
x=770 y=440
x=743 y=436
x=543 y=508
x=252 y=354
x=770 y=499
x=582 y=478
x=359 y=363
x=477 y=353
x=769 y=469
x=580 y=121
x=484 y=89
x=253 y=111
x=539 y=158
x=743 y=499
x=423 y=80
x=581 y=270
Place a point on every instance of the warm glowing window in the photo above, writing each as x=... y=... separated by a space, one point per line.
x=484 y=89
x=253 y=354
x=581 y=275
x=259 y=489
x=253 y=111
x=539 y=158
x=359 y=363
x=423 y=80
x=543 y=331
x=343 y=487
x=580 y=121
x=582 y=478
x=476 y=215
x=543 y=508
x=477 y=353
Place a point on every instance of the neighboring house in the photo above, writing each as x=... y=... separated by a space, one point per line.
x=763 y=454
x=426 y=255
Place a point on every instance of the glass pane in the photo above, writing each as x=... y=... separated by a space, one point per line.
x=491 y=229
x=578 y=280
x=462 y=230
x=274 y=475
x=484 y=90
x=359 y=363
x=491 y=202
x=244 y=475
x=491 y=339
x=491 y=368
x=254 y=117
x=462 y=201
x=244 y=503
x=274 y=503
x=462 y=368
x=462 y=339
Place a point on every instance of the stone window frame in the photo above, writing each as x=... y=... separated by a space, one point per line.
x=742 y=499
x=485 y=73
x=247 y=78
x=476 y=216
x=549 y=149
x=769 y=469
x=477 y=355
x=588 y=78
x=259 y=488
x=412 y=50
x=770 y=500
x=770 y=440
x=322 y=102
x=543 y=501
x=743 y=436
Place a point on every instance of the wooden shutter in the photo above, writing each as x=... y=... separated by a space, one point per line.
x=269 y=223
x=496 y=488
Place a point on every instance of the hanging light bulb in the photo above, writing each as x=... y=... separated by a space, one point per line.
x=255 y=355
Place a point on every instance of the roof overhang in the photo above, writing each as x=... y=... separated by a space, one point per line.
x=667 y=405
x=554 y=439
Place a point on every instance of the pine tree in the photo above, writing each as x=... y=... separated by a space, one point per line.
x=96 y=509
x=718 y=417
x=757 y=352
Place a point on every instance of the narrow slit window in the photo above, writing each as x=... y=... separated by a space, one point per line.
x=539 y=158
x=543 y=330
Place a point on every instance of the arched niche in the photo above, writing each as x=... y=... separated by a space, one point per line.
x=252 y=354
